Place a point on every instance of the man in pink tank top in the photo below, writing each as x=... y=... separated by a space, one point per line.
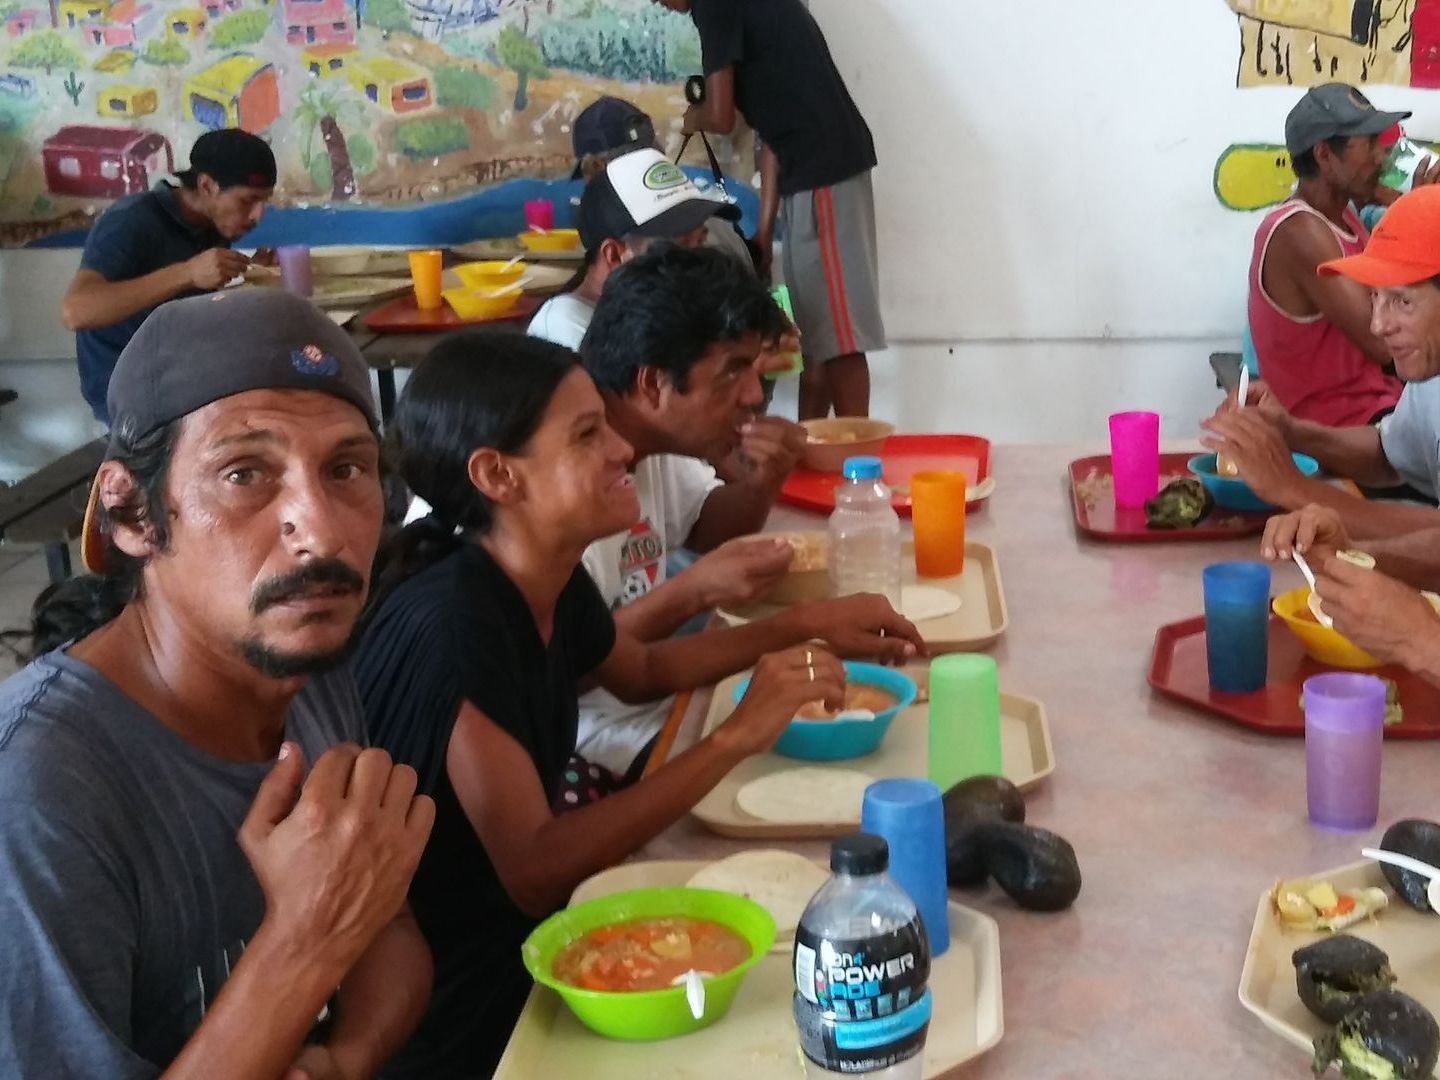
x=1312 y=334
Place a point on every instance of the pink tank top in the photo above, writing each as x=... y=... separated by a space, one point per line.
x=1314 y=369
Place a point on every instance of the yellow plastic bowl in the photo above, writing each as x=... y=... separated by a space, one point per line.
x=553 y=240
x=469 y=304
x=489 y=275
x=1326 y=645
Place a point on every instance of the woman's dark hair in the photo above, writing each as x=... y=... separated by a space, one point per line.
x=478 y=388
x=69 y=610
x=667 y=308
x=1304 y=162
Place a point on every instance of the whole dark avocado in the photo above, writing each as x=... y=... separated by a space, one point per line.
x=968 y=804
x=1387 y=1024
x=1035 y=866
x=1332 y=974
x=1420 y=840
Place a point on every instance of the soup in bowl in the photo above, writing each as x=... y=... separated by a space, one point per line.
x=818 y=735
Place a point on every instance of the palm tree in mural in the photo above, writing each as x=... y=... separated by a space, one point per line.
x=317 y=110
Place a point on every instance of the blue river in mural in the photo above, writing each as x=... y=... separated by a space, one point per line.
x=493 y=211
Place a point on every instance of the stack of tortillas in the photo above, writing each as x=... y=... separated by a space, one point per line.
x=919 y=603
x=779 y=881
x=799 y=796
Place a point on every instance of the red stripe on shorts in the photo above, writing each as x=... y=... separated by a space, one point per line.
x=834 y=272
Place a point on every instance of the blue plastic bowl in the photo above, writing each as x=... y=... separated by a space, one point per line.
x=835 y=740
x=1233 y=493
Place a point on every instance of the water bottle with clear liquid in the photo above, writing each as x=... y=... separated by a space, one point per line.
x=862 y=962
x=864 y=534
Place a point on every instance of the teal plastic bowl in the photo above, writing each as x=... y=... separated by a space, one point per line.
x=1232 y=492
x=643 y=1015
x=835 y=740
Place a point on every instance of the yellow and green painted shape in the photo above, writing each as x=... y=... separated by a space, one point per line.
x=1252 y=176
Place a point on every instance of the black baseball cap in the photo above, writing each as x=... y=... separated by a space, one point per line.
x=644 y=193
x=1331 y=110
x=232 y=158
x=192 y=352
x=610 y=124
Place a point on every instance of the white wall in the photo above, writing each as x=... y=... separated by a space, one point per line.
x=1051 y=246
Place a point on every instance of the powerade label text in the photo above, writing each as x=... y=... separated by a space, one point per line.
x=862 y=1005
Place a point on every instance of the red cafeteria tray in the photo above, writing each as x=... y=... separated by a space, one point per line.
x=903 y=456
x=1103 y=520
x=1177 y=670
x=401 y=316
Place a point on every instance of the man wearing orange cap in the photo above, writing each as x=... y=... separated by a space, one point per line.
x=1400 y=267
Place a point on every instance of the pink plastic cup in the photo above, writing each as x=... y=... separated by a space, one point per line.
x=539 y=214
x=1135 y=456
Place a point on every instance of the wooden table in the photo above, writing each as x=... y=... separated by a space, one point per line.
x=1180 y=820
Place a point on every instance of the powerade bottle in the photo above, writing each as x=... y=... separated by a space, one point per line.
x=864 y=534
x=862 y=961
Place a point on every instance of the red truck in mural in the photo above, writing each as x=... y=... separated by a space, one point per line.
x=97 y=162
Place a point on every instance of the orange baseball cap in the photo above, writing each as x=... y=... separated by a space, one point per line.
x=1404 y=249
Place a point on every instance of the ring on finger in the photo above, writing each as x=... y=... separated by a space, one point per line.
x=811 y=669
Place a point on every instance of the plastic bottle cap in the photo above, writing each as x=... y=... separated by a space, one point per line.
x=859 y=854
x=862 y=468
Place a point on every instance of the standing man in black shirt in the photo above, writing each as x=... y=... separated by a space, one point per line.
x=768 y=60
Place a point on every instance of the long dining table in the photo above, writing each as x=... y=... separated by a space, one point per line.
x=1180 y=819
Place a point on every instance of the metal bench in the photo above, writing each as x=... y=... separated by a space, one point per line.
x=48 y=506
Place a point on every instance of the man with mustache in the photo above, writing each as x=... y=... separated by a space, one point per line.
x=1312 y=333
x=177 y=895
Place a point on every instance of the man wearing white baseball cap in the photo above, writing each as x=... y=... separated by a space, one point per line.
x=640 y=197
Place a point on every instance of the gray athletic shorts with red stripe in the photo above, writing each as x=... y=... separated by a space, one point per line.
x=832 y=268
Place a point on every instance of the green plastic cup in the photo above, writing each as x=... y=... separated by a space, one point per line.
x=964 y=719
x=781 y=295
x=642 y=1015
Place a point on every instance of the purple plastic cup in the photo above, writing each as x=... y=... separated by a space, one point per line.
x=1135 y=456
x=295 y=270
x=539 y=214
x=1344 y=731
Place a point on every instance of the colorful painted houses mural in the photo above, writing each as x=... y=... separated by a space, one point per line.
x=104 y=162
x=240 y=91
x=391 y=102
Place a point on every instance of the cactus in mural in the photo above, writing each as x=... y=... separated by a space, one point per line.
x=522 y=56
x=73 y=88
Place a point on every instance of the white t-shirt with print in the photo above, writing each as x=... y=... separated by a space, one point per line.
x=672 y=491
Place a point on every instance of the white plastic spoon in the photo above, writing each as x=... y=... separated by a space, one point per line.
x=1244 y=387
x=855 y=714
x=509 y=264
x=694 y=993
x=1405 y=862
x=1314 y=602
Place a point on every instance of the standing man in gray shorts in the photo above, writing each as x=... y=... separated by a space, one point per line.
x=768 y=60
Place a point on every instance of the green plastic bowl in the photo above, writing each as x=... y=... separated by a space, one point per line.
x=648 y=1014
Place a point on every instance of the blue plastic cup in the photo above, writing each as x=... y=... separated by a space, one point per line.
x=1237 y=625
x=908 y=813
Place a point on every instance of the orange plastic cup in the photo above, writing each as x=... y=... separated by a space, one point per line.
x=425 y=273
x=937 y=510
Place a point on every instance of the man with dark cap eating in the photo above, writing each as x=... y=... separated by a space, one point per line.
x=202 y=874
x=161 y=244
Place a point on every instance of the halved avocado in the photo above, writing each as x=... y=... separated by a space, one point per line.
x=1035 y=866
x=1333 y=973
x=1420 y=840
x=969 y=803
x=1387 y=1035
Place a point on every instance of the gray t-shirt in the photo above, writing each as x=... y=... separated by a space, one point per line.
x=124 y=897
x=1410 y=436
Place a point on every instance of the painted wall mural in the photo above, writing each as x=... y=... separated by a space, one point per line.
x=368 y=103
x=1303 y=42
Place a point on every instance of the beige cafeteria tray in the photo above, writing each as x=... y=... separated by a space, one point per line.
x=756 y=1039
x=978 y=624
x=540 y=280
x=1024 y=746
x=1267 y=981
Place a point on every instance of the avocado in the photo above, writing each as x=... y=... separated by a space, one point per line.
x=1035 y=866
x=1180 y=504
x=1420 y=840
x=967 y=804
x=1387 y=1035
x=1331 y=974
